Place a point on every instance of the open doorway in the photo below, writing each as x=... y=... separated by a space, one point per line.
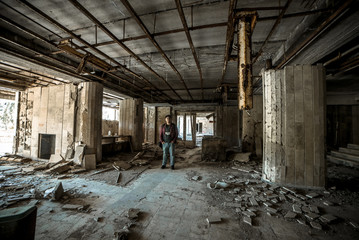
x=195 y=126
x=7 y=125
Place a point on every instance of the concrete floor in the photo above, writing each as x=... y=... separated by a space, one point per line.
x=173 y=206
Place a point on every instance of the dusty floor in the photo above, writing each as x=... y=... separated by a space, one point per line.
x=174 y=205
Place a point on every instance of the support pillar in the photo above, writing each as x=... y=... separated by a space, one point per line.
x=246 y=22
x=294 y=126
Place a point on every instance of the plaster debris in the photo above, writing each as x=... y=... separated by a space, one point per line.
x=296 y=208
x=354 y=224
x=328 y=203
x=312 y=216
x=271 y=210
x=247 y=220
x=253 y=201
x=312 y=195
x=290 y=214
x=196 y=178
x=301 y=221
x=72 y=207
x=316 y=225
x=249 y=214
x=328 y=218
x=313 y=208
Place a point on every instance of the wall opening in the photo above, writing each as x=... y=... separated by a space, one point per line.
x=7 y=125
x=46 y=145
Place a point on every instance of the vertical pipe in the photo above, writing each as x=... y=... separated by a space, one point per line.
x=245 y=90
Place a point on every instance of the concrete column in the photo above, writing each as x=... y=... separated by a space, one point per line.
x=89 y=118
x=131 y=121
x=294 y=126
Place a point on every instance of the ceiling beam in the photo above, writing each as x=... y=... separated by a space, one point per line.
x=154 y=42
x=229 y=37
x=190 y=42
x=118 y=41
x=22 y=77
x=275 y=25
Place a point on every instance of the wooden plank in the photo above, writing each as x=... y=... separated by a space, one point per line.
x=299 y=126
x=347 y=156
x=308 y=124
x=289 y=125
x=353 y=146
x=349 y=151
x=35 y=122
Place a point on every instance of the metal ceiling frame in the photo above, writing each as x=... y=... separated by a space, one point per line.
x=154 y=42
x=118 y=41
x=61 y=27
x=190 y=42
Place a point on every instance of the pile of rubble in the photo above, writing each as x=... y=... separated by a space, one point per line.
x=251 y=197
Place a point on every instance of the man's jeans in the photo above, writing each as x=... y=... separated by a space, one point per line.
x=168 y=147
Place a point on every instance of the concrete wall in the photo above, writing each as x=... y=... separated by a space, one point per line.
x=131 y=121
x=294 y=126
x=226 y=124
x=52 y=110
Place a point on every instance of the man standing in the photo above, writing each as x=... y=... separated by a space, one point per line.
x=168 y=137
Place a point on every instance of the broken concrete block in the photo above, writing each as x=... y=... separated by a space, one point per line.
x=58 y=191
x=312 y=195
x=328 y=203
x=133 y=213
x=282 y=197
x=311 y=216
x=41 y=167
x=301 y=221
x=79 y=154
x=253 y=201
x=89 y=162
x=306 y=209
x=63 y=167
x=213 y=219
x=297 y=209
x=290 y=215
x=98 y=219
x=72 y=207
x=328 y=218
x=316 y=225
x=354 y=224
x=55 y=158
x=247 y=220
x=271 y=210
x=249 y=214
x=313 y=208
x=267 y=204
x=196 y=178
x=274 y=200
x=252 y=209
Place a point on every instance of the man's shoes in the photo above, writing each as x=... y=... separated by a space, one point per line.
x=163 y=166
x=173 y=167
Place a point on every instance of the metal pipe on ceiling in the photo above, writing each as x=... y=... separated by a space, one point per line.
x=190 y=42
x=119 y=42
x=154 y=42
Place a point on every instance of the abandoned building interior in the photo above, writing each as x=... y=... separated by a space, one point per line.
x=264 y=95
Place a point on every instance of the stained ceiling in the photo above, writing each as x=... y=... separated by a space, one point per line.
x=169 y=50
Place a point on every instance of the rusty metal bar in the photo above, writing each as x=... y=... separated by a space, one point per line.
x=154 y=42
x=52 y=21
x=229 y=37
x=298 y=14
x=118 y=41
x=190 y=42
x=272 y=31
x=315 y=34
x=245 y=86
x=214 y=25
